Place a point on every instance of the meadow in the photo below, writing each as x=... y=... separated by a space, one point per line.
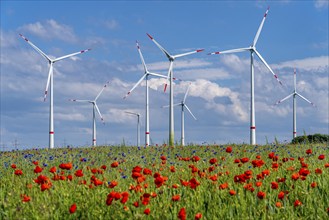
x=163 y=182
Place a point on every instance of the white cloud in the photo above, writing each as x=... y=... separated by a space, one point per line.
x=318 y=64
x=111 y=24
x=321 y=4
x=50 y=29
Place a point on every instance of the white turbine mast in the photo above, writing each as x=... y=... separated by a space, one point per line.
x=252 y=50
x=171 y=59
x=183 y=105
x=145 y=76
x=49 y=85
x=95 y=107
x=294 y=94
x=138 y=126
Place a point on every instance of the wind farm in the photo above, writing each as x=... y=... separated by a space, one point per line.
x=231 y=90
x=135 y=167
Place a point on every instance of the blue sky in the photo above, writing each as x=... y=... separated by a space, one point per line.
x=295 y=35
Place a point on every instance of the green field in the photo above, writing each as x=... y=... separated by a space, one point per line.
x=161 y=182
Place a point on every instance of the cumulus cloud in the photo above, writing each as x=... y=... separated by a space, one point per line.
x=50 y=29
x=318 y=64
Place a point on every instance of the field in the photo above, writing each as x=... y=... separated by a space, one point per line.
x=161 y=182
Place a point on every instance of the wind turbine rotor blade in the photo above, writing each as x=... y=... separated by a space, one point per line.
x=141 y=57
x=189 y=111
x=70 y=55
x=166 y=106
x=231 y=51
x=132 y=113
x=160 y=47
x=77 y=100
x=262 y=59
x=139 y=81
x=168 y=76
x=106 y=84
x=306 y=99
x=48 y=80
x=99 y=112
x=282 y=100
x=188 y=53
x=36 y=48
x=260 y=28
x=158 y=75
x=188 y=88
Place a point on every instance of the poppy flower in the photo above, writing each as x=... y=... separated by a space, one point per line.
x=18 y=172
x=321 y=157
x=213 y=161
x=136 y=204
x=318 y=171
x=232 y=192
x=261 y=195
x=66 y=166
x=244 y=160
x=37 y=169
x=314 y=184
x=78 y=173
x=278 y=204
x=73 y=208
x=35 y=162
x=258 y=184
x=281 y=195
x=114 y=164
x=297 y=203
x=195 y=158
x=198 y=216
x=147 y=171
x=25 y=198
x=274 y=185
x=103 y=167
x=182 y=214
x=147 y=211
x=175 y=198
x=309 y=151
x=229 y=149
x=172 y=169
x=237 y=161
x=163 y=157
x=113 y=184
x=13 y=166
x=193 y=183
x=52 y=170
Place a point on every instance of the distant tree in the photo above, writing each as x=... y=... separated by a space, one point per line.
x=312 y=138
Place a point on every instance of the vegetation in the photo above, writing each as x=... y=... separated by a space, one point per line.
x=313 y=138
x=162 y=182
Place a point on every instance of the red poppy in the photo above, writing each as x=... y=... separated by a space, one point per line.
x=195 y=158
x=35 y=162
x=297 y=203
x=261 y=195
x=274 y=185
x=163 y=157
x=147 y=171
x=232 y=192
x=103 y=167
x=193 y=183
x=229 y=149
x=198 y=216
x=265 y=172
x=326 y=165
x=13 y=166
x=318 y=171
x=223 y=186
x=159 y=181
x=321 y=157
x=45 y=186
x=175 y=198
x=172 y=169
x=304 y=172
x=53 y=169
x=278 y=204
x=136 y=204
x=244 y=160
x=114 y=164
x=271 y=155
x=237 y=161
x=213 y=161
x=295 y=176
x=281 y=195
x=37 y=169
x=309 y=151
x=182 y=214
x=73 y=208
x=66 y=166
x=258 y=184
x=113 y=184
x=18 y=172
x=147 y=211
x=25 y=198
x=78 y=173
x=125 y=196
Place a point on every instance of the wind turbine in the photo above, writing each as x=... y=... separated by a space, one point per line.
x=294 y=94
x=95 y=107
x=252 y=50
x=145 y=76
x=183 y=105
x=171 y=59
x=138 y=126
x=50 y=83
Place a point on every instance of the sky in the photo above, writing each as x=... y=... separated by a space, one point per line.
x=294 y=36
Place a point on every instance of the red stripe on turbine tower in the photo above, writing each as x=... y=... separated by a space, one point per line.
x=51 y=132
x=252 y=127
x=147 y=132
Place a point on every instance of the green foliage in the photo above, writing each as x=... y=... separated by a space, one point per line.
x=312 y=139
